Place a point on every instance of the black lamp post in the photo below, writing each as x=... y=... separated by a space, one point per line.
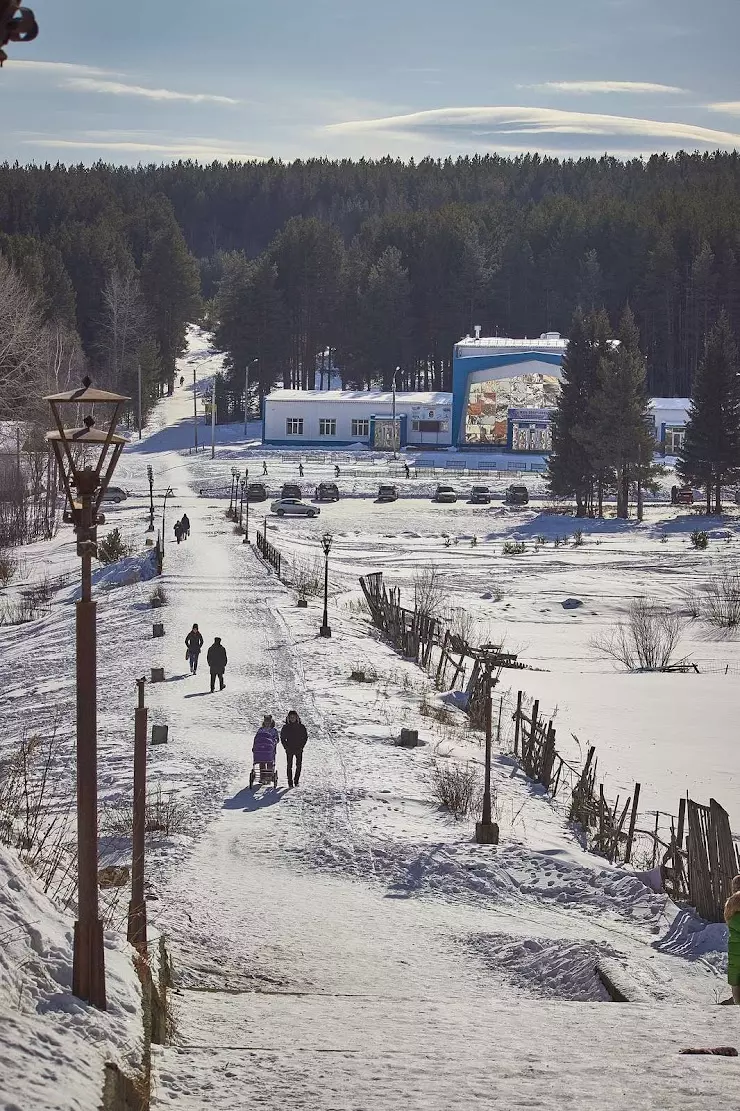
x=326 y=542
x=234 y=492
x=486 y=831
x=169 y=492
x=82 y=454
x=150 y=476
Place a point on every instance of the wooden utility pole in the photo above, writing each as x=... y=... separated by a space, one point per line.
x=486 y=831
x=137 y=905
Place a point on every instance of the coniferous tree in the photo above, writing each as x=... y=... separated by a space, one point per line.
x=170 y=284
x=711 y=450
x=620 y=438
x=571 y=470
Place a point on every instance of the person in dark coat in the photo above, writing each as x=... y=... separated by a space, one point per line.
x=193 y=645
x=185 y=525
x=217 y=661
x=177 y=528
x=293 y=736
x=264 y=468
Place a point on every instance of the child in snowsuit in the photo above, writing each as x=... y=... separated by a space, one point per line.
x=193 y=645
x=294 y=736
x=732 y=918
x=265 y=743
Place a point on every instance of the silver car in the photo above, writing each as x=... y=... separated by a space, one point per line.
x=294 y=507
x=114 y=494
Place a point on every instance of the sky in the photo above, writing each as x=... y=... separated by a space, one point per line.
x=236 y=79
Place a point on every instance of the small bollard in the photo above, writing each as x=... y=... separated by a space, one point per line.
x=486 y=833
x=149 y=543
x=158 y=629
x=160 y=734
x=409 y=738
x=158 y=675
x=155 y=603
x=302 y=603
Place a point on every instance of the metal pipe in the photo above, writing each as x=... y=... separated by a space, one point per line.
x=486 y=816
x=213 y=419
x=195 y=412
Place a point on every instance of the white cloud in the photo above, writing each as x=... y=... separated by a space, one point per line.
x=604 y=87
x=480 y=122
x=730 y=107
x=205 y=150
x=121 y=88
x=61 y=68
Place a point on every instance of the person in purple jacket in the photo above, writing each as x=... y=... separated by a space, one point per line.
x=266 y=740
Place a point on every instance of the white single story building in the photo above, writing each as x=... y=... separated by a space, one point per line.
x=670 y=415
x=338 y=418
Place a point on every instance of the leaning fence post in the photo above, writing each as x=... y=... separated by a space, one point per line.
x=517 y=721
x=633 y=819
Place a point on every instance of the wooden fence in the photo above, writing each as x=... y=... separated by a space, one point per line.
x=697 y=861
x=454 y=664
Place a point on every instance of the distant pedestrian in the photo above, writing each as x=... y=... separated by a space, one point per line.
x=336 y=470
x=264 y=746
x=264 y=468
x=185 y=526
x=182 y=379
x=193 y=645
x=177 y=528
x=294 y=736
x=217 y=661
x=732 y=918
x=407 y=469
x=300 y=470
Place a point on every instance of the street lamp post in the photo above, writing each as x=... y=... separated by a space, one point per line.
x=150 y=476
x=393 y=390
x=137 y=905
x=246 y=394
x=233 y=492
x=85 y=482
x=486 y=831
x=241 y=503
x=169 y=492
x=195 y=412
x=326 y=542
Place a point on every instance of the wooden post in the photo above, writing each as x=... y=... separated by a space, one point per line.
x=633 y=819
x=655 y=838
x=517 y=721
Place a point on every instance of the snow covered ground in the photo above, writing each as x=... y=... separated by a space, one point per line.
x=346 y=943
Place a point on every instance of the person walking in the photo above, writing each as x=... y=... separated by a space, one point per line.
x=300 y=470
x=185 y=526
x=217 y=660
x=177 y=528
x=408 y=472
x=193 y=645
x=294 y=736
x=265 y=744
x=264 y=468
x=732 y=918
x=336 y=470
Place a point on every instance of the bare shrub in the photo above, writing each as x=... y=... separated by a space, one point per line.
x=158 y=597
x=165 y=813
x=429 y=591
x=514 y=547
x=8 y=568
x=307 y=577
x=456 y=786
x=463 y=628
x=647 y=640
x=693 y=604
x=721 y=603
x=437 y=711
x=22 y=610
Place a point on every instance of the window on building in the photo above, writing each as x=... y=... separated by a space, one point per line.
x=427 y=426
x=360 y=428
x=294 y=426
x=327 y=427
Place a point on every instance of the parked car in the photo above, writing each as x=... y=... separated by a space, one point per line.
x=114 y=494
x=256 y=491
x=386 y=492
x=327 y=491
x=445 y=494
x=291 y=490
x=682 y=495
x=480 y=495
x=517 y=495
x=293 y=507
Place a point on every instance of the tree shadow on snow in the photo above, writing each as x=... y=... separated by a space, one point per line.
x=248 y=800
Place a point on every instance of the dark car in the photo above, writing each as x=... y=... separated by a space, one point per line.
x=256 y=491
x=386 y=492
x=682 y=495
x=480 y=495
x=517 y=495
x=291 y=490
x=445 y=494
x=327 y=491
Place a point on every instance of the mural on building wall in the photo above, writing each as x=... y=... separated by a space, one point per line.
x=487 y=415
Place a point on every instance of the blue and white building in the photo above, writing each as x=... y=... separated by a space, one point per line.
x=342 y=418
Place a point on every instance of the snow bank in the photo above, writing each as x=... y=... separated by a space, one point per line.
x=52 y=1046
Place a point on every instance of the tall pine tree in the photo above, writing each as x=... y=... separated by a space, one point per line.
x=711 y=450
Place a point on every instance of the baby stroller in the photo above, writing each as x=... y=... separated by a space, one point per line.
x=264 y=771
